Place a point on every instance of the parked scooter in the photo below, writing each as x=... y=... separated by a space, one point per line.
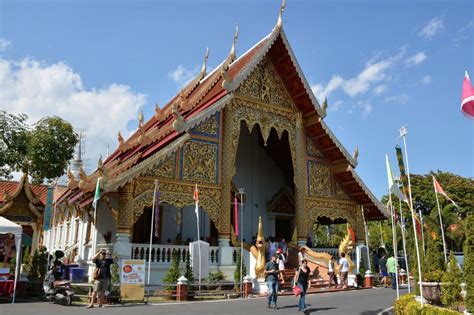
x=55 y=288
x=57 y=291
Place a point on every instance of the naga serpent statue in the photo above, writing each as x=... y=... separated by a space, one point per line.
x=258 y=250
x=346 y=247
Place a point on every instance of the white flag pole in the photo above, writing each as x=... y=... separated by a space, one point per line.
x=441 y=224
x=404 y=244
x=199 y=236
x=152 y=225
x=241 y=192
x=366 y=237
x=94 y=236
x=403 y=133
x=394 y=242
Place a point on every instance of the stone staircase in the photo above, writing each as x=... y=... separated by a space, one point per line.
x=288 y=274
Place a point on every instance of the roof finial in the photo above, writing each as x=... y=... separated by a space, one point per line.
x=120 y=138
x=203 y=69
x=140 y=119
x=280 y=20
x=232 y=50
x=325 y=107
x=158 y=113
x=355 y=155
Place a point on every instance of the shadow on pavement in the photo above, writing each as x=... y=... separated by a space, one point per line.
x=313 y=310
x=371 y=312
x=290 y=306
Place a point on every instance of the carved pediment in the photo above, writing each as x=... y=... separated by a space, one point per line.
x=264 y=85
x=164 y=169
x=320 y=179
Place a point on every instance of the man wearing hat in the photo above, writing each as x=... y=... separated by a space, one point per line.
x=102 y=276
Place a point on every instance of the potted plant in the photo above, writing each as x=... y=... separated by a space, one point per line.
x=434 y=267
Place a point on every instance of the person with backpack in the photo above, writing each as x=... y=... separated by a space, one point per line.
x=102 y=276
x=271 y=275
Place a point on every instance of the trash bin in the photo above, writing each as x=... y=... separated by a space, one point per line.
x=76 y=274
x=66 y=270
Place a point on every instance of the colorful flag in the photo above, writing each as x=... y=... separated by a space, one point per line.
x=401 y=166
x=196 y=200
x=439 y=190
x=97 y=194
x=236 y=216
x=48 y=208
x=394 y=189
x=467 y=99
x=157 y=213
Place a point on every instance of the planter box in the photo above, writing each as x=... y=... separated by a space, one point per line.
x=432 y=291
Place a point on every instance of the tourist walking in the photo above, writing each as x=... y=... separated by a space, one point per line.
x=392 y=269
x=383 y=270
x=331 y=273
x=303 y=281
x=284 y=247
x=271 y=275
x=102 y=277
x=301 y=255
x=343 y=270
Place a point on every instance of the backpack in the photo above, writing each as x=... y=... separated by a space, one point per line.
x=97 y=273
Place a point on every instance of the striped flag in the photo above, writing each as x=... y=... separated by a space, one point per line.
x=48 y=209
x=467 y=99
x=236 y=215
x=439 y=190
x=401 y=166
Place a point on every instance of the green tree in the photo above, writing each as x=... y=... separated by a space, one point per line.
x=451 y=292
x=173 y=273
x=42 y=150
x=468 y=267
x=188 y=271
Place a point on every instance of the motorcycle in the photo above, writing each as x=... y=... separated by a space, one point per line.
x=57 y=291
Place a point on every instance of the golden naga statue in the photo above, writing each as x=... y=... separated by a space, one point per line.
x=258 y=251
x=346 y=247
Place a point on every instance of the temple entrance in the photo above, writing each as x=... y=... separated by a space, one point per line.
x=265 y=171
x=283 y=228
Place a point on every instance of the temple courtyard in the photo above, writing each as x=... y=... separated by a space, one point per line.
x=366 y=302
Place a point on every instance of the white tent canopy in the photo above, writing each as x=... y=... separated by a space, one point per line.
x=9 y=227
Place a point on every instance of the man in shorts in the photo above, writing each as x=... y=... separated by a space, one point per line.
x=383 y=270
x=102 y=276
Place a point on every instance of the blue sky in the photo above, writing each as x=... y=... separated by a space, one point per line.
x=382 y=64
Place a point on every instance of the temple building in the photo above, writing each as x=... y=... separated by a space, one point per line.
x=253 y=123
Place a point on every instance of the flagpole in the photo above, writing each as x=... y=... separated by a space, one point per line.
x=152 y=224
x=441 y=224
x=96 y=202
x=241 y=192
x=403 y=133
x=394 y=242
x=198 y=234
x=366 y=237
x=402 y=220
x=422 y=232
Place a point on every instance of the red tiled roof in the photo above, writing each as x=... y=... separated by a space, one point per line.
x=11 y=187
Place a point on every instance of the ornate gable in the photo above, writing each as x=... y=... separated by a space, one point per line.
x=165 y=169
x=264 y=85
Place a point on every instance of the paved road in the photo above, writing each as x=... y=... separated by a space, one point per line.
x=364 y=302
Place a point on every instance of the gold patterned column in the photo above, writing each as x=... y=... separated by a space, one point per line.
x=300 y=180
x=125 y=215
x=229 y=146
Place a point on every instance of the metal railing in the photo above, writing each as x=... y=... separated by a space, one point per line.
x=163 y=254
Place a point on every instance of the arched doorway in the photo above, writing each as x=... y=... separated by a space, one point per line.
x=265 y=170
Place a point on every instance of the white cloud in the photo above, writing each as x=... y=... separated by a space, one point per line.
x=434 y=26
x=182 y=76
x=380 y=89
x=335 y=107
x=416 y=59
x=39 y=89
x=401 y=99
x=375 y=73
x=426 y=79
x=323 y=92
x=464 y=32
x=4 y=44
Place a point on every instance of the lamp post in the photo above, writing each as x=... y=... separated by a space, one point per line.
x=241 y=193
